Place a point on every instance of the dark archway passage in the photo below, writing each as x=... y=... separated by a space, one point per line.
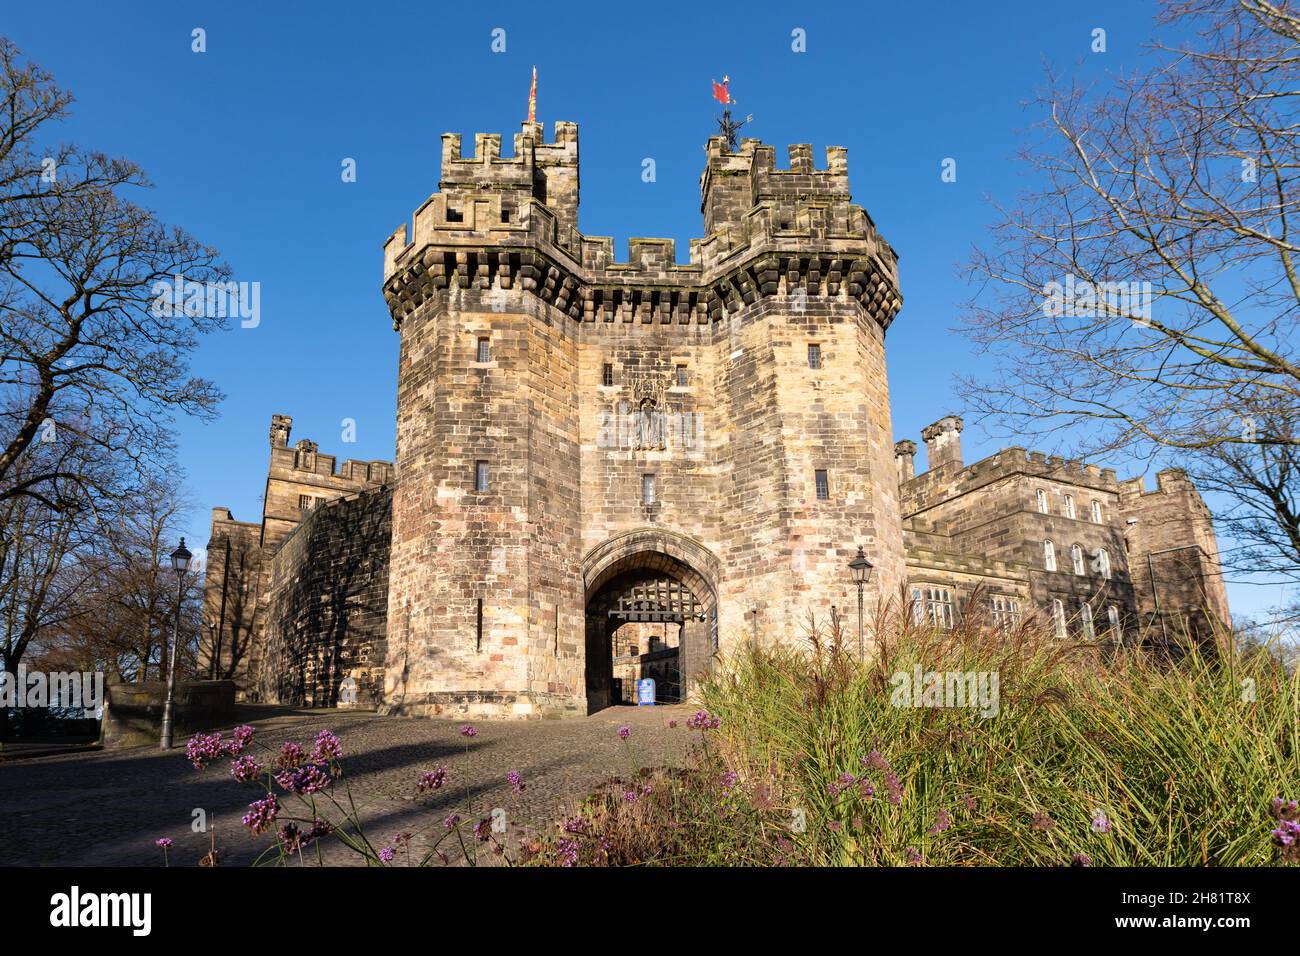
x=651 y=612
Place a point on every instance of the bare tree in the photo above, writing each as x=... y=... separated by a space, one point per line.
x=1144 y=293
x=84 y=344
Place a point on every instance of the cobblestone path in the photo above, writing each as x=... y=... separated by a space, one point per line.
x=106 y=808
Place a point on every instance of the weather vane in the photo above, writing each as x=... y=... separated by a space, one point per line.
x=728 y=126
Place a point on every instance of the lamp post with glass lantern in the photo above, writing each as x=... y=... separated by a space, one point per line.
x=861 y=570
x=180 y=564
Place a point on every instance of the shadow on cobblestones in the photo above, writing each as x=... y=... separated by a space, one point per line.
x=106 y=808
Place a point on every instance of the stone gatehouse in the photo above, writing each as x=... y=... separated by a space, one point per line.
x=606 y=470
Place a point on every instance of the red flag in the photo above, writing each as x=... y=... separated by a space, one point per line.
x=720 y=91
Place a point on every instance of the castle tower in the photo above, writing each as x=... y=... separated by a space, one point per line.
x=619 y=469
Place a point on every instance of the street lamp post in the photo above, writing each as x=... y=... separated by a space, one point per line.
x=180 y=564
x=861 y=569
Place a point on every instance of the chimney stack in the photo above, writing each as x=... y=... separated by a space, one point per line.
x=280 y=428
x=943 y=441
x=905 y=459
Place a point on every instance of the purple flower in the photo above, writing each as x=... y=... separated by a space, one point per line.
x=728 y=781
x=451 y=821
x=516 y=781
x=261 y=813
x=1080 y=859
x=576 y=825
x=242 y=738
x=164 y=843
x=866 y=789
x=1100 y=822
x=468 y=731
x=387 y=854
x=328 y=747
x=203 y=749
x=308 y=779
x=289 y=756
x=895 y=789
x=703 y=720
x=568 y=850
x=483 y=830
x=873 y=761
x=432 y=779
x=832 y=790
x=291 y=837
x=624 y=732
x=913 y=855
x=245 y=769
x=942 y=821
x=848 y=779
x=630 y=796
x=1041 y=821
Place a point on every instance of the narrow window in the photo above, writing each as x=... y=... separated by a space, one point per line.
x=823 y=485
x=1103 y=563
x=1058 y=617
x=607 y=374
x=1049 y=556
x=918 y=606
x=1085 y=617
x=1069 y=506
x=505 y=215
x=1076 y=559
x=1042 y=501
x=484 y=350
x=814 y=355
x=1116 y=631
x=681 y=375
x=478 y=632
x=647 y=489
x=480 y=476
x=1096 y=511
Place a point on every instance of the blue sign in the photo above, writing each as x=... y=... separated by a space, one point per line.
x=645 y=692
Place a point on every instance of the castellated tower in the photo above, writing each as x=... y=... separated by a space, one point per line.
x=612 y=470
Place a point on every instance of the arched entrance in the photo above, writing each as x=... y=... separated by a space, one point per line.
x=651 y=602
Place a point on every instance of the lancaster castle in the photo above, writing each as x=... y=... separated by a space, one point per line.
x=610 y=470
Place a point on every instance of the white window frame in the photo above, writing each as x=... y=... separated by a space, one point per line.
x=1076 y=559
x=1116 y=627
x=1096 y=511
x=1069 y=507
x=1103 y=563
x=1049 y=556
x=1058 y=617
x=649 y=493
x=934 y=605
x=1041 y=496
x=1085 y=620
x=1006 y=610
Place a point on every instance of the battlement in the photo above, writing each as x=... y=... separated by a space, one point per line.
x=511 y=223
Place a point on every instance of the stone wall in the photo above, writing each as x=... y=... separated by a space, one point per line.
x=327 y=606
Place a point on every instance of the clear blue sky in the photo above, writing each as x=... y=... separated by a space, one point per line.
x=244 y=143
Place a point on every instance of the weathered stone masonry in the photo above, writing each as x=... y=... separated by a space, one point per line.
x=613 y=469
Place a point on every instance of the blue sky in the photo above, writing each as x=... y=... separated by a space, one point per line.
x=245 y=143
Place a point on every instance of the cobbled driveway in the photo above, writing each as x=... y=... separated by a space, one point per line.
x=107 y=808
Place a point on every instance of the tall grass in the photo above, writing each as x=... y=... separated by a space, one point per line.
x=1093 y=756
